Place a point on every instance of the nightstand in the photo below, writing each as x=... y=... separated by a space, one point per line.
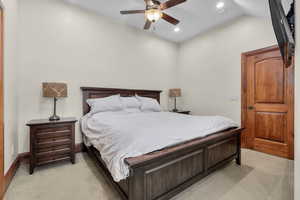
x=183 y=112
x=51 y=141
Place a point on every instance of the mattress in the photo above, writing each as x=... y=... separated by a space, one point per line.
x=121 y=135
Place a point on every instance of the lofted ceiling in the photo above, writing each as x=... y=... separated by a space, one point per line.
x=196 y=16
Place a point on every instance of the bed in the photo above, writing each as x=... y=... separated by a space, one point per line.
x=164 y=173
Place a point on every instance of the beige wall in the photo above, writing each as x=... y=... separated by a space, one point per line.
x=10 y=71
x=209 y=70
x=59 y=42
x=297 y=110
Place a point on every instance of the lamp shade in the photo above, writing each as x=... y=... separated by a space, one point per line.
x=175 y=92
x=56 y=90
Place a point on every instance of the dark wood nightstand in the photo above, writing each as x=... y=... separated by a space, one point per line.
x=51 y=141
x=183 y=112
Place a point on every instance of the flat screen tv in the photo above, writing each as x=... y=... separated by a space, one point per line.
x=284 y=27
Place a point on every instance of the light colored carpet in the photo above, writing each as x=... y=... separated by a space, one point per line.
x=261 y=177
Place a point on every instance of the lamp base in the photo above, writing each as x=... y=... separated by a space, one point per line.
x=175 y=110
x=54 y=118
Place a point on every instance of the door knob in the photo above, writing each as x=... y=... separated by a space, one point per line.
x=250 y=107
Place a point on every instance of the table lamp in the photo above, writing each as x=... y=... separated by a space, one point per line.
x=175 y=93
x=55 y=91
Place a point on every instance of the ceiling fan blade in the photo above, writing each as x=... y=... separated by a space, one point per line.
x=170 y=19
x=147 y=25
x=124 y=12
x=171 y=3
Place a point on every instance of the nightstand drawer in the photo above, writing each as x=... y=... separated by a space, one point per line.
x=52 y=132
x=54 y=142
x=52 y=146
x=53 y=138
x=51 y=154
x=51 y=128
x=53 y=158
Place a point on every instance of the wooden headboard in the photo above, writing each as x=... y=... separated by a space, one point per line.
x=93 y=92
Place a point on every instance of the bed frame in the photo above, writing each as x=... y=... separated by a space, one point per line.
x=163 y=174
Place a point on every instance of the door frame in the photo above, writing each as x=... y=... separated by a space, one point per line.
x=244 y=95
x=2 y=99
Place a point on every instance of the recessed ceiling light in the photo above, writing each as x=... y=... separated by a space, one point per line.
x=220 y=5
x=177 y=29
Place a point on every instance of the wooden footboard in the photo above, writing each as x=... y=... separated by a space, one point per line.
x=163 y=174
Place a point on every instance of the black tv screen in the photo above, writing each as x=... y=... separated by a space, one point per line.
x=283 y=30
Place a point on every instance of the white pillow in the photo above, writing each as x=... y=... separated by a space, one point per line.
x=130 y=102
x=132 y=110
x=149 y=104
x=111 y=103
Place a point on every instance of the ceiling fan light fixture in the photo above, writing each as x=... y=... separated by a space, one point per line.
x=153 y=14
x=176 y=29
x=220 y=5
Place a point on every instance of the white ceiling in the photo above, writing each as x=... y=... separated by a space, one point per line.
x=196 y=16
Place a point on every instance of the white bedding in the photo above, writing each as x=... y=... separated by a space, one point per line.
x=120 y=135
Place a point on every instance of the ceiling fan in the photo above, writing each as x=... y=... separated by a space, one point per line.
x=153 y=12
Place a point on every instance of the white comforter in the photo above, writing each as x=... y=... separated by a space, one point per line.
x=120 y=135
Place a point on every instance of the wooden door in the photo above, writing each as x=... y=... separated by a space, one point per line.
x=268 y=103
x=1 y=107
